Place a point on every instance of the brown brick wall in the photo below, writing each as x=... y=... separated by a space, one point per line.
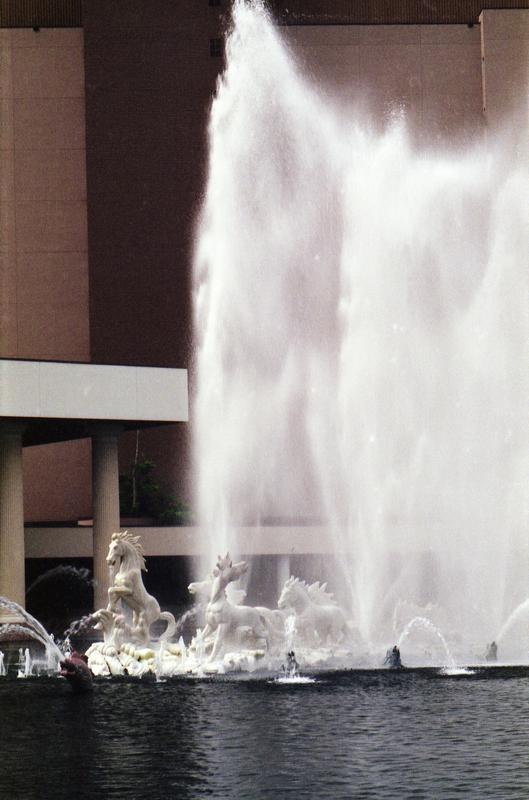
x=149 y=84
x=41 y=13
x=69 y=13
x=385 y=12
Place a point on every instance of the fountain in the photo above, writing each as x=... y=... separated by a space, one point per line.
x=25 y=628
x=426 y=624
x=360 y=324
x=512 y=635
x=362 y=360
x=362 y=341
x=235 y=637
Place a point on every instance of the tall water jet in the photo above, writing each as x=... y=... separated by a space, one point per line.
x=362 y=336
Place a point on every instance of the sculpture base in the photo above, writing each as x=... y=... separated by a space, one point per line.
x=176 y=660
x=168 y=661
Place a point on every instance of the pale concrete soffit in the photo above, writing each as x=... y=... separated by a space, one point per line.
x=52 y=390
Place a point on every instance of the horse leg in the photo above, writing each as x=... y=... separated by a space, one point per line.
x=140 y=629
x=116 y=593
x=207 y=630
x=113 y=598
x=221 y=630
x=265 y=632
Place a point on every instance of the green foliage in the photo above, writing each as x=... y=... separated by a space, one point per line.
x=142 y=496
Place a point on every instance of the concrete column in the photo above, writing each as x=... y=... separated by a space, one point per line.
x=105 y=503
x=12 y=578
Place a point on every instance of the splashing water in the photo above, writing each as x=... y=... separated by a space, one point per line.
x=79 y=626
x=362 y=336
x=30 y=629
x=25 y=663
x=66 y=573
x=426 y=624
x=513 y=635
x=290 y=631
x=293 y=680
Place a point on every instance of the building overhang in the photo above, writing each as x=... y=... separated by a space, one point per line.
x=58 y=401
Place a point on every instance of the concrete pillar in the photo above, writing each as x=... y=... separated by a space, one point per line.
x=12 y=578
x=105 y=503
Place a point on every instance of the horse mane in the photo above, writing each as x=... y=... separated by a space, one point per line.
x=224 y=562
x=135 y=543
x=317 y=592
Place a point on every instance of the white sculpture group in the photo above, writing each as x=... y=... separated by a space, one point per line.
x=233 y=635
x=318 y=620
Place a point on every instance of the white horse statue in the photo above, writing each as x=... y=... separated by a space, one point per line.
x=126 y=561
x=201 y=590
x=227 y=624
x=319 y=619
x=272 y=618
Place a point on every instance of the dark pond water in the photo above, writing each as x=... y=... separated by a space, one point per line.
x=377 y=734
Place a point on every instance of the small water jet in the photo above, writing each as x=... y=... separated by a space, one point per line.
x=392 y=659
x=425 y=624
x=492 y=652
x=512 y=639
x=79 y=626
x=290 y=631
x=291 y=667
x=59 y=595
x=25 y=663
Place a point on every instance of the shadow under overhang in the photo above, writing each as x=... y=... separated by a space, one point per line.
x=47 y=431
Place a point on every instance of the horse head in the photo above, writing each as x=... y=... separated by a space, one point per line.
x=289 y=593
x=125 y=547
x=227 y=571
x=201 y=589
x=114 y=626
x=105 y=620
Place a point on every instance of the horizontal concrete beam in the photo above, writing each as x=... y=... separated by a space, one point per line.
x=182 y=541
x=57 y=390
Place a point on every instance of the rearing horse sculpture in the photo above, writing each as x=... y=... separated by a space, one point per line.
x=126 y=561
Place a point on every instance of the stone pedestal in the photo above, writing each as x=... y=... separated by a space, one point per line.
x=105 y=487
x=12 y=579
